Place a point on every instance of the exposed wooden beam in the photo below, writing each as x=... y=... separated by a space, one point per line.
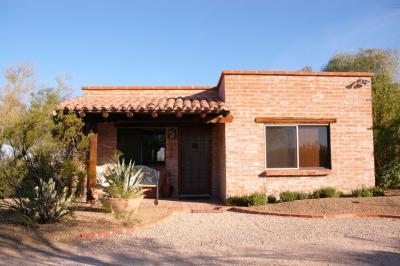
x=129 y=114
x=295 y=120
x=154 y=114
x=203 y=115
x=179 y=114
x=82 y=114
x=105 y=114
x=221 y=119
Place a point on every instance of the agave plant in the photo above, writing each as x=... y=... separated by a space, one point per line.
x=123 y=181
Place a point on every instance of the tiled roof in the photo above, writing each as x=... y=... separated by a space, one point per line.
x=125 y=103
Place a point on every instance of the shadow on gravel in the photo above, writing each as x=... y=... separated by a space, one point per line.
x=23 y=245
x=33 y=248
x=375 y=257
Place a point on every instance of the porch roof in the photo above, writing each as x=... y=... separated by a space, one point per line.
x=130 y=103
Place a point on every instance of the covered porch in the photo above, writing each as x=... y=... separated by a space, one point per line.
x=181 y=137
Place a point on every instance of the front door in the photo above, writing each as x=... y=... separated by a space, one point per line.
x=195 y=161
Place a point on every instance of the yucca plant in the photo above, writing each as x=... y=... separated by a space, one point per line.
x=123 y=181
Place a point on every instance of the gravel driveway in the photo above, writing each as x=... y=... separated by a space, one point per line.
x=222 y=238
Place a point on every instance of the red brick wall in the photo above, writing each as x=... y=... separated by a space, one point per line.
x=250 y=96
x=218 y=161
x=171 y=160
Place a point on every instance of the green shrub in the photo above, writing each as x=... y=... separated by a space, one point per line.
x=378 y=192
x=47 y=205
x=236 y=201
x=327 y=192
x=302 y=196
x=293 y=195
x=344 y=195
x=368 y=192
x=254 y=199
x=272 y=199
x=390 y=176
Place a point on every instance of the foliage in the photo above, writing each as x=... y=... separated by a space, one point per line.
x=293 y=195
x=237 y=201
x=123 y=181
x=344 y=195
x=306 y=69
x=390 y=176
x=42 y=149
x=47 y=205
x=254 y=199
x=368 y=192
x=385 y=65
x=327 y=192
x=272 y=199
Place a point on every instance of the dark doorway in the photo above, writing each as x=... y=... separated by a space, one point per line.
x=195 y=178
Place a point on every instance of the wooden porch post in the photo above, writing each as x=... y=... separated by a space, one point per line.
x=92 y=161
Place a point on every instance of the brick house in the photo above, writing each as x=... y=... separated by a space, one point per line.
x=267 y=131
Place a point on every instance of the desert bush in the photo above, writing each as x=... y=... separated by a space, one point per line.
x=390 y=176
x=378 y=192
x=46 y=151
x=237 y=201
x=302 y=196
x=293 y=195
x=254 y=199
x=47 y=204
x=327 y=192
x=272 y=199
x=344 y=195
x=368 y=192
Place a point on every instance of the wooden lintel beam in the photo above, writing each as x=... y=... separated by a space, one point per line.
x=221 y=119
x=295 y=120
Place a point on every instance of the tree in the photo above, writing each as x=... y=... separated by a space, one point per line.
x=385 y=64
x=46 y=152
x=306 y=69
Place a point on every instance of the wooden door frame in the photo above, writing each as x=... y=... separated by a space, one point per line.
x=209 y=170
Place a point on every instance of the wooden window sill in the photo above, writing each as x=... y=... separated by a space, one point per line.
x=296 y=172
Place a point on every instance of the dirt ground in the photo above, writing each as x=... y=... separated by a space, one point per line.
x=87 y=219
x=379 y=205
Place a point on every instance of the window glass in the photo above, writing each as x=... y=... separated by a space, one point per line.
x=314 y=146
x=153 y=147
x=281 y=147
x=144 y=147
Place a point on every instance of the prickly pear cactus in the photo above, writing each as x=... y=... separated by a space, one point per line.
x=48 y=205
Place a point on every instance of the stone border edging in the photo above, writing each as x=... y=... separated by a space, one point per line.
x=124 y=231
x=320 y=216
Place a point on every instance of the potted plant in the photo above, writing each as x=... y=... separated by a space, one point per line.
x=122 y=188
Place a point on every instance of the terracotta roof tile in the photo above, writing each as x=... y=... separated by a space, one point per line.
x=143 y=104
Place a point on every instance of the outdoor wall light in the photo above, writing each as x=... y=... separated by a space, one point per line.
x=362 y=82
x=359 y=83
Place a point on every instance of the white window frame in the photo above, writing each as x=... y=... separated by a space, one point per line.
x=297 y=143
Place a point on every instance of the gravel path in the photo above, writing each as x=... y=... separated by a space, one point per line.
x=234 y=238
